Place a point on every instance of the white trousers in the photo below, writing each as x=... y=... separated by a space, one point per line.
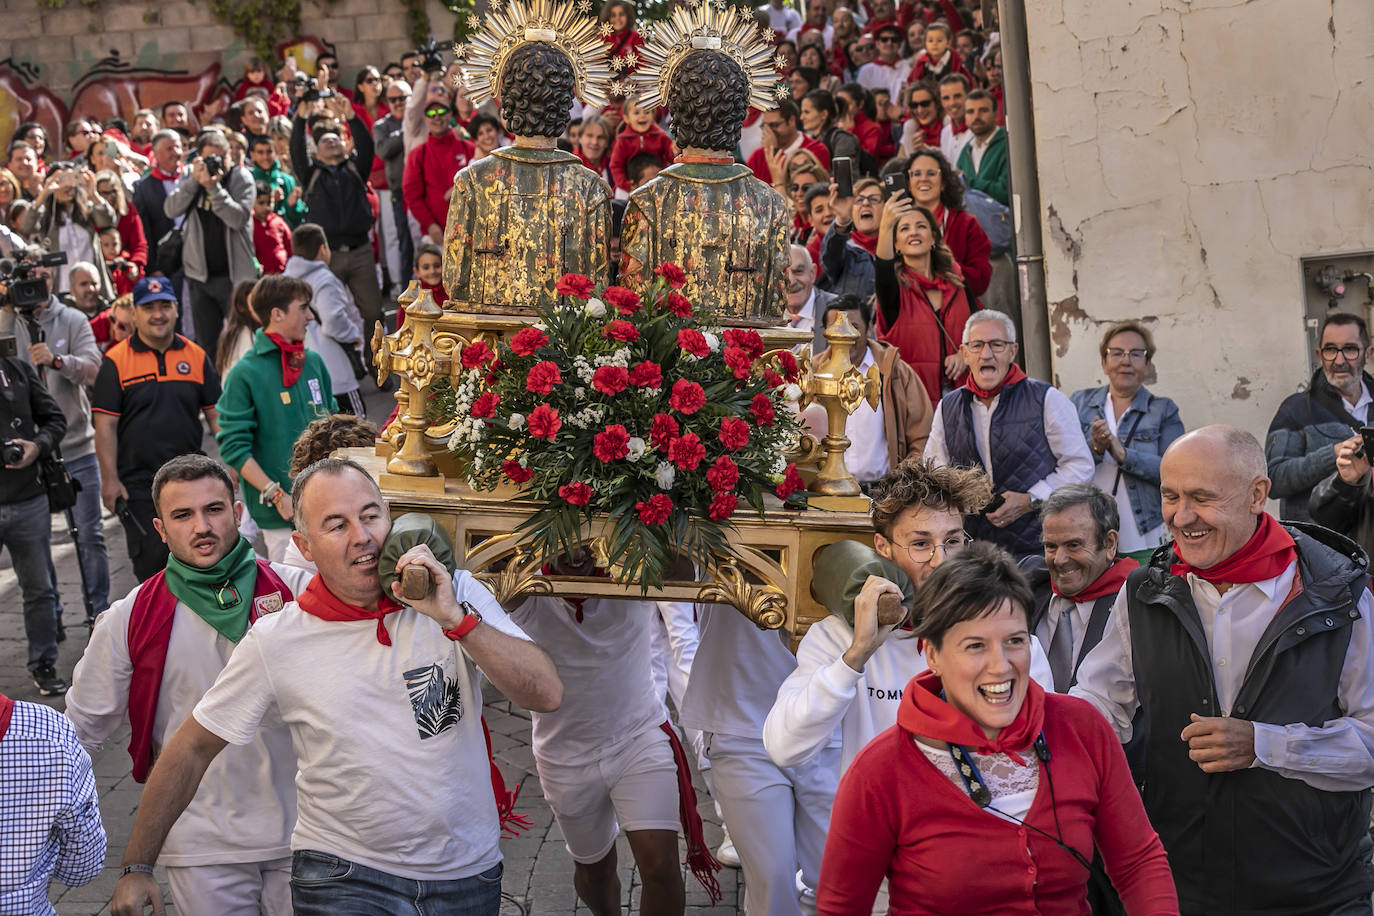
x=391 y=242
x=674 y=646
x=245 y=889
x=778 y=819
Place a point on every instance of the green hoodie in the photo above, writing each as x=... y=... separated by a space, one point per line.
x=279 y=177
x=993 y=177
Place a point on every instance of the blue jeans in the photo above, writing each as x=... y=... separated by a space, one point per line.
x=26 y=531
x=90 y=541
x=325 y=885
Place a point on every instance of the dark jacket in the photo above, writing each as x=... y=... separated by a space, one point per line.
x=336 y=195
x=27 y=411
x=149 y=195
x=1251 y=841
x=1299 y=447
x=1037 y=573
x=846 y=267
x=389 y=145
x=1344 y=509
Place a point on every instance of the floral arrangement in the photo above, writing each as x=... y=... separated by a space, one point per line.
x=629 y=407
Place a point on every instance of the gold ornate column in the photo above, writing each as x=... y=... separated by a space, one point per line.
x=410 y=353
x=839 y=387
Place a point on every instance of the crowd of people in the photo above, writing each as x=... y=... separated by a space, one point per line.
x=1116 y=684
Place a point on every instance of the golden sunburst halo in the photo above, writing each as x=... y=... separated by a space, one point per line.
x=558 y=22
x=705 y=25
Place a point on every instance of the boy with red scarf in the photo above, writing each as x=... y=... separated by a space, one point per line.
x=1244 y=652
x=394 y=792
x=270 y=396
x=155 y=652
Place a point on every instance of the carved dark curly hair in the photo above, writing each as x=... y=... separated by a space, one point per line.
x=537 y=88
x=708 y=97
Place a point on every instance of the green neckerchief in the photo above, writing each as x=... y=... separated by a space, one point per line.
x=222 y=594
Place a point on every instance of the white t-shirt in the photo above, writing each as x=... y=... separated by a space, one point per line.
x=606 y=666
x=246 y=804
x=393 y=767
x=735 y=674
x=1104 y=478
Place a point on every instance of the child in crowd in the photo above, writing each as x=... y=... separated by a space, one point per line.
x=254 y=77
x=641 y=169
x=123 y=272
x=115 y=323
x=638 y=134
x=429 y=270
x=271 y=235
x=938 y=60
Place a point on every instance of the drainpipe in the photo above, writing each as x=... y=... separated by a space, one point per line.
x=1025 y=186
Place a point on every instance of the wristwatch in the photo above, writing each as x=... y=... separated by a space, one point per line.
x=471 y=618
x=57 y=363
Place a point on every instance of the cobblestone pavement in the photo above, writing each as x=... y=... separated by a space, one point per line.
x=538 y=877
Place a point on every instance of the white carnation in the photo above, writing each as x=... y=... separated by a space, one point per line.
x=637 y=447
x=517 y=421
x=595 y=308
x=664 y=475
x=792 y=393
x=712 y=341
x=580 y=393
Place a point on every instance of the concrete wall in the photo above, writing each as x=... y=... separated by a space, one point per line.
x=57 y=63
x=1190 y=152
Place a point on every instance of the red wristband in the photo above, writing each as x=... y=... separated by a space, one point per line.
x=469 y=622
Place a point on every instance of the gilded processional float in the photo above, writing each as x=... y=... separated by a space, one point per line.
x=578 y=438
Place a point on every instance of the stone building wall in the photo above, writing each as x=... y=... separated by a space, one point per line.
x=1190 y=153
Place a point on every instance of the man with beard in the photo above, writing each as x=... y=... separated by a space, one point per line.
x=395 y=806
x=155 y=652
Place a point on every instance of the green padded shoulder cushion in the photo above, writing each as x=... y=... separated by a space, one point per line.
x=840 y=571
x=409 y=530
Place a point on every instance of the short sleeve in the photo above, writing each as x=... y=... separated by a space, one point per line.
x=241 y=697
x=468 y=589
x=107 y=395
x=210 y=389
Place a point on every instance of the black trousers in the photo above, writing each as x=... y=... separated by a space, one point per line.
x=147 y=551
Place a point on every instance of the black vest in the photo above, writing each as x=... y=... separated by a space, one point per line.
x=1251 y=841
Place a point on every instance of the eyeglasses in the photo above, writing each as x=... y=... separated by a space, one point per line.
x=368 y=79
x=998 y=346
x=889 y=40
x=1329 y=352
x=924 y=104
x=922 y=551
x=396 y=99
x=435 y=112
x=794 y=188
x=861 y=201
x=1136 y=355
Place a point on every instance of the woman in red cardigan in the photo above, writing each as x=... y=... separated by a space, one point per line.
x=922 y=308
x=988 y=796
x=934 y=184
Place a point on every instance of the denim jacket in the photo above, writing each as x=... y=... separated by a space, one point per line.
x=1146 y=429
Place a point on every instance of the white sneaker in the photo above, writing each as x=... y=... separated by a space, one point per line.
x=726 y=854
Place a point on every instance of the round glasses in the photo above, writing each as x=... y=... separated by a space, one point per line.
x=923 y=551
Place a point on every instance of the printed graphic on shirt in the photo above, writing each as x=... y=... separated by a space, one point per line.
x=435 y=698
x=267 y=604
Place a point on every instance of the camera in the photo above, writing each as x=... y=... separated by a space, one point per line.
x=315 y=95
x=11 y=452
x=27 y=292
x=431 y=61
x=214 y=164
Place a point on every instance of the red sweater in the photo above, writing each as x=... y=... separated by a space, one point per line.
x=271 y=242
x=970 y=246
x=429 y=172
x=630 y=143
x=758 y=159
x=897 y=816
x=132 y=239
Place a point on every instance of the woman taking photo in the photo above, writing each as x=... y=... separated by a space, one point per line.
x=922 y=308
x=1128 y=428
x=66 y=217
x=848 y=247
x=923 y=123
x=989 y=795
x=934 y=184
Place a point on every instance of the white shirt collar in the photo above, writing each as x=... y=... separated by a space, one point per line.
x=1362 y=401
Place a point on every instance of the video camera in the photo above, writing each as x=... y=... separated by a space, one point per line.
x=430 y=59
x=27 y=292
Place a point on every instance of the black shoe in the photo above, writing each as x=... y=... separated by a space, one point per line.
x=61 y=630
x=48 y=683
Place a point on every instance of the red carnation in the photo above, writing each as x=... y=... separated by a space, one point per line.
x=687 y=397
x=773 y=379
x=677 y=303
x=574 y=285
x=544 y=422
x=672 y=273
x=517 y=472
x=611 y=444
x=693 y=341
x=789 y=364
x=734 y=433
x=543 y=377
x=738 y=359
x=762 y=409
x=723 y=475
x=656 y=510
x=626 y=301
x=646 y=375
x=663 y=431
x=621 y=330
x=485 y=405
x=576 y=493
x=746 y=339
x=723 y=506
x=476 y=354
x=610 y=379
x=791 y=483
x=528 y=341
x=686 y=452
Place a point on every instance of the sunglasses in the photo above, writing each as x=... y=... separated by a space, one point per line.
x=926 y=104
x=394 y=99
x=889 y=40
x=369 y=79
x=437 y=111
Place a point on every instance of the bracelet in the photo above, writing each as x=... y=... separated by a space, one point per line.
x=140 y=868
x=270 y=494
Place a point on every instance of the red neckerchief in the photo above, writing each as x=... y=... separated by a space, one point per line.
x=1014 y=375
x=164 y=176
x=704 y=865
x=597 y=167
x=320 y=602
x=440 y=294
x=930 y=133
x=6 y=711
x=1269 y=552
x=882 y=63
x=149 y=633
x=292 y=358
x=865 y=241
x=1109 y=583
x=925 y=713
x=927 y=284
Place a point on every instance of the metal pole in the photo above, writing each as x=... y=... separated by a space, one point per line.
x=1025 y=186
